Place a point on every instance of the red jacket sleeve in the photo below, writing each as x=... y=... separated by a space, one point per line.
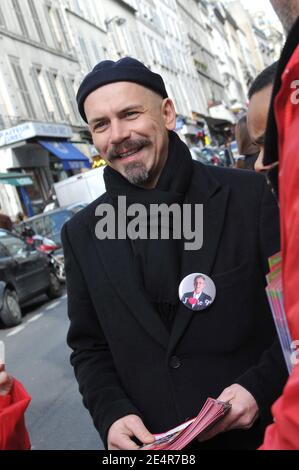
x=13 y=433
x=287 y=115
x=284 y=433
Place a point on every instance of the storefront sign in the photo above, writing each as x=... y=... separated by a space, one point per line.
x=15 y=179
x=28 y=130
x=221 y=112
x=189 y=129
x=26 y=181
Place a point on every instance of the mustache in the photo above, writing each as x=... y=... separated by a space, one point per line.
x=127 y=146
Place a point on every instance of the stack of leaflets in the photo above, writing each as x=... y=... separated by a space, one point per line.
x=179 y=437
x=275 y=297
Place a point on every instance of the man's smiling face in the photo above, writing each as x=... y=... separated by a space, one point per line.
x=129 y=126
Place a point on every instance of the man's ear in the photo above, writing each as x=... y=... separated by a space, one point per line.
x=169 y=114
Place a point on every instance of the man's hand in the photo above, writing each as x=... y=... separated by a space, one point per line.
x=242 y=415
x=121 y=431
x=5 y=381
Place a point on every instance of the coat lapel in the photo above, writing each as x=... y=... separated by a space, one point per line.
x=117 y=260
x=214 y=199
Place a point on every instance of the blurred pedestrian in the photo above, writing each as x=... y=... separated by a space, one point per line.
x=259 y=103
x=51 y=202
x=246 y=147
x=14 y=401
x=5 y=221
x=20 y=217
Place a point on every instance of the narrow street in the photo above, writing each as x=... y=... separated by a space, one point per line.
x=37 y=354
x=149 y=175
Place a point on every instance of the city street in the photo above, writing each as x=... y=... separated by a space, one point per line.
x=37 y=354
x=147 y=170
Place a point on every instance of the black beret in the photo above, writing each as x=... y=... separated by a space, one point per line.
x=126 y=69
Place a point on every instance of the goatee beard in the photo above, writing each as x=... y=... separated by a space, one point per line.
x=136 y=173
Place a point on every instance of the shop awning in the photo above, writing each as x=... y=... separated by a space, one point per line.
x=218 y=124
x=69 y=155
x=220 y=115
x=15 y=179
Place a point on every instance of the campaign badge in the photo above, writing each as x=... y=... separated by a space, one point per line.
x=197 y=291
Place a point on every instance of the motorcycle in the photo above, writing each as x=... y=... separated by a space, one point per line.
x=49 y=247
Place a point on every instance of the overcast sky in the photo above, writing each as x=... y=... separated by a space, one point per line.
x=258 y=5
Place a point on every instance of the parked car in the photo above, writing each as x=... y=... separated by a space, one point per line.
x=234 y=149
x=226 y=157
x=24 y=274
x=47 y=246
x=206 y=155
x=49 y=224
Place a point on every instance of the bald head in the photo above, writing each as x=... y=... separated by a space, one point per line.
x=287 y=11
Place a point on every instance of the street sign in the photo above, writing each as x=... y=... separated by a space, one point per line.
x=28 y=130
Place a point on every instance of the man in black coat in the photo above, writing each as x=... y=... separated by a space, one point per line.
x=144 y=362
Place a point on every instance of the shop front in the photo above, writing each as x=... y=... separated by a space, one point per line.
x=65 y=159
x=221 y=123
x=45 y=153
x=23 y=184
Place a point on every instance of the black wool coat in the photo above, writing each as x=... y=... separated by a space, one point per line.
x=125 y=360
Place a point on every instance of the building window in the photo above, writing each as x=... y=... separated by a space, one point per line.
x=40 y=90
x=2 y=20
x=57 y=29
x=68 y=84
x=116 y=42
x=62 y=31
x=85 y=52
x=37 y=22
x=52 y=79
x=52 y=26
x=125 y=41
x=78 y=7
x=137 y=46
x=22 y=87
x=2 y=124
x=98 y=53
x=2 y=113
x=20 y=17
x=88 y=12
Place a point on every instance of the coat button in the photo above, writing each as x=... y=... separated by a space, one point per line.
x=175 y=362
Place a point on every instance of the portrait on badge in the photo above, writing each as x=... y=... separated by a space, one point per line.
x=197 y=291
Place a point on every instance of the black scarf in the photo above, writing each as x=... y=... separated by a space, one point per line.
x=158 y=262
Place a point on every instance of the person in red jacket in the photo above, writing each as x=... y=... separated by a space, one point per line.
x=14 y=401
x=282 y=143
